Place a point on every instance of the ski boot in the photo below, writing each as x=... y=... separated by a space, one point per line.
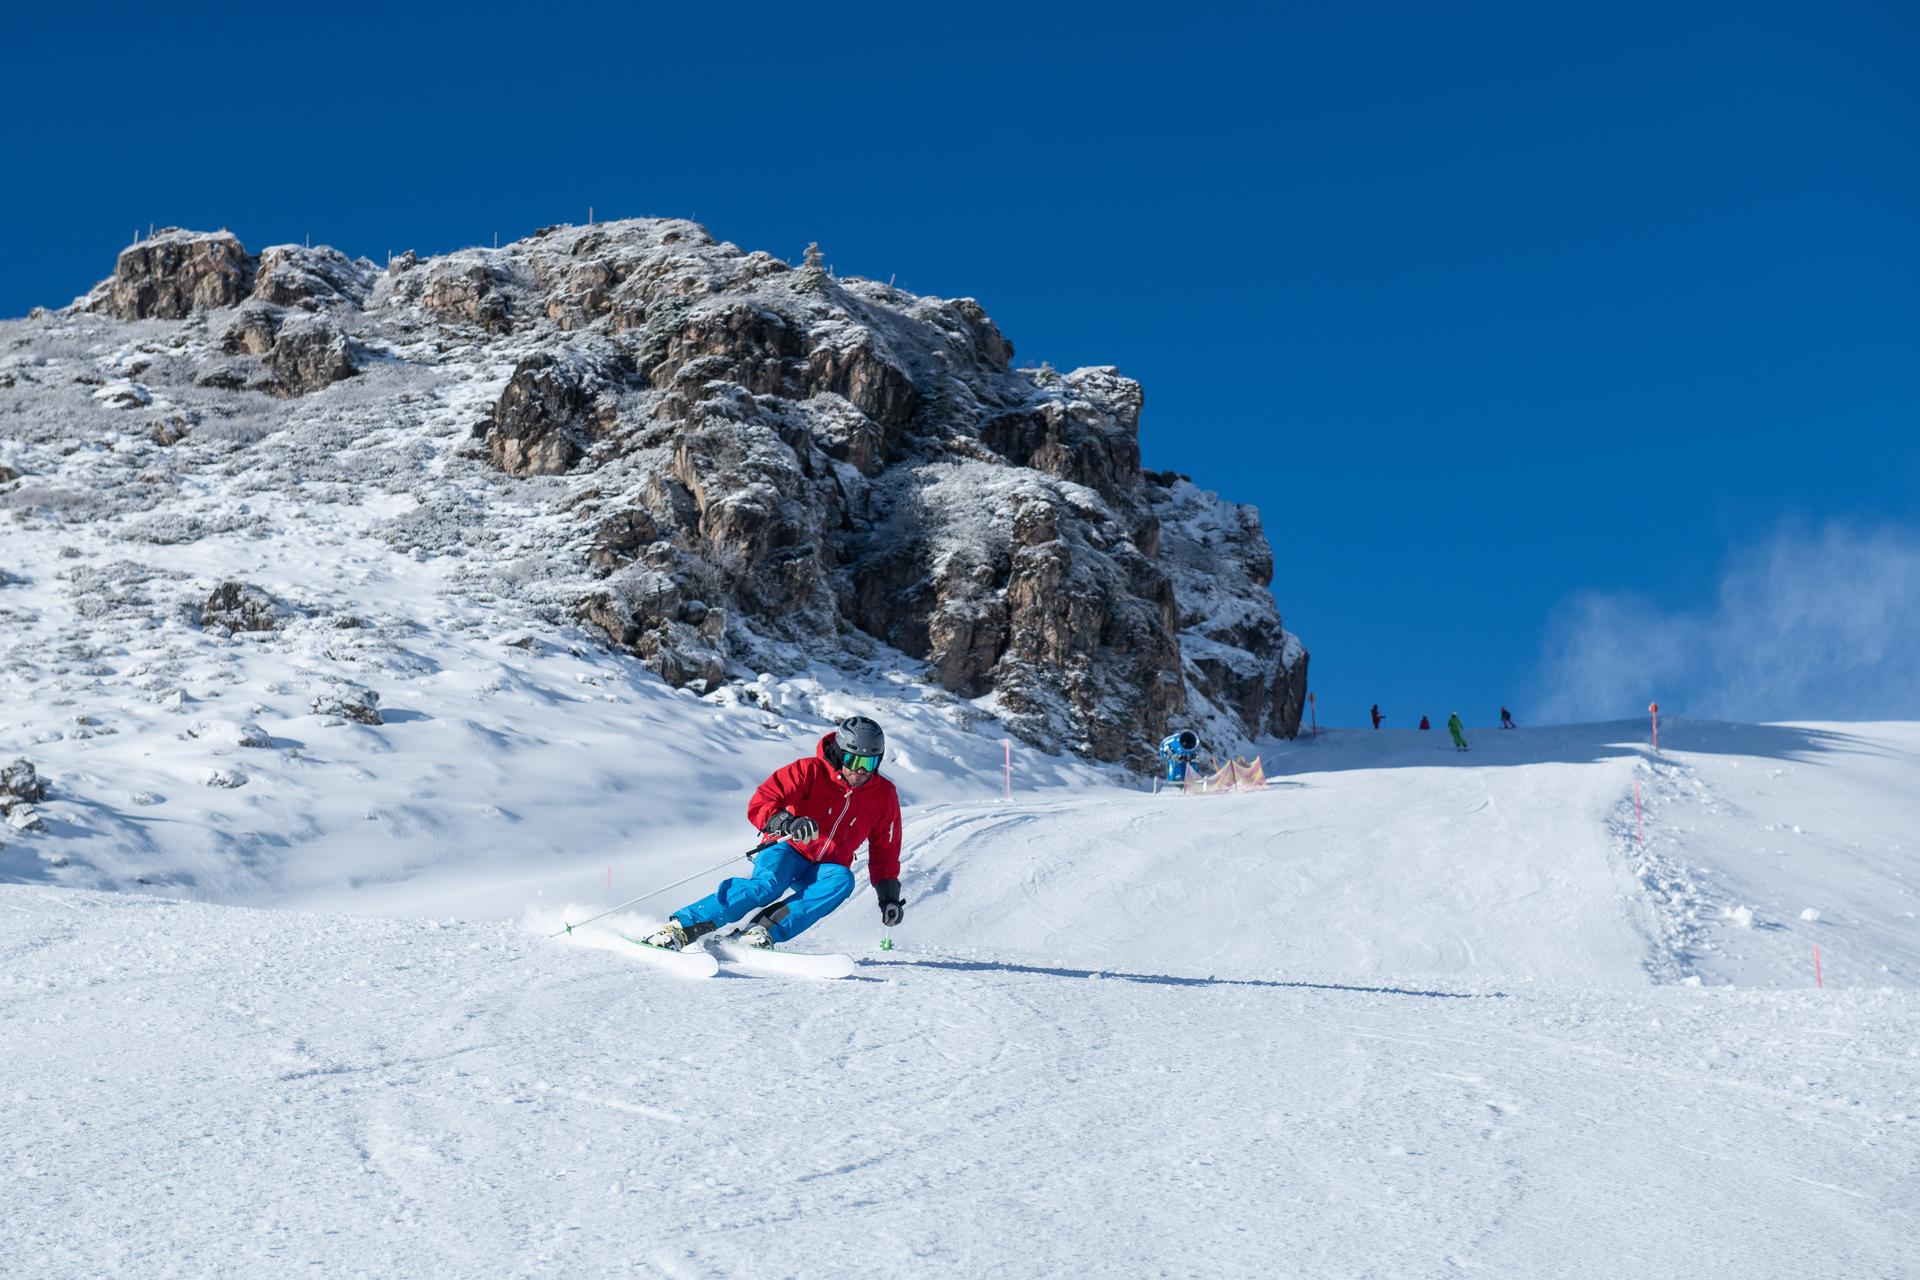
x=672 y=935
x=754 y=935
x=675 y=936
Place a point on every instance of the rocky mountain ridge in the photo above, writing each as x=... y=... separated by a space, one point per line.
x=725 y=464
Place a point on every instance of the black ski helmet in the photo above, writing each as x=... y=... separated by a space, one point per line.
x=859 y=736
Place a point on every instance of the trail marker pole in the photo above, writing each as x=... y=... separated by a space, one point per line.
x=1817 y=981
x=1008 y=744
x=1313 y=715
x=1653 y=709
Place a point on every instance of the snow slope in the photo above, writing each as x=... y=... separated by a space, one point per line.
x=1404 y=1013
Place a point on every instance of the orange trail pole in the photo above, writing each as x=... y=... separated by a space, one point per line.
x=1816 y=967
x=1653 y=709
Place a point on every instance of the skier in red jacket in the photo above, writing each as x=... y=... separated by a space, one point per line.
x=813 y=815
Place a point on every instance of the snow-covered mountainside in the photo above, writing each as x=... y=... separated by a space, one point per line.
x=1403 y=1013
x=320 y=721
x=722 y=465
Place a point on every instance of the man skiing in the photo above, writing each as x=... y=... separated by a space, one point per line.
x=1458 y=731
x=1377 y=717
x=1178 y=750
x=1506 y=719
x=812 y=814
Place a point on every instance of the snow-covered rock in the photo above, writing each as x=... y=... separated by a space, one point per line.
x=723 y=464
x=173 y=274
x=230 y=733
x=20 y=783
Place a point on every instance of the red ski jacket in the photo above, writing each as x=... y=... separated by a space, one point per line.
x=811 y=788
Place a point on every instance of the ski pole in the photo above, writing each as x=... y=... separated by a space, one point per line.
x=568 y=928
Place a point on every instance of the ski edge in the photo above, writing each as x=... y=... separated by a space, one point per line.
x=694 y=963
x=824 y=965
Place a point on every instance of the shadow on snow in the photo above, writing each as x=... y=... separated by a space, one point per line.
x=1173 y=980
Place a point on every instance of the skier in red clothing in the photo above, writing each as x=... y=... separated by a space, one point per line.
x=813 y=815
x=1424 y=724
x=1377 y=717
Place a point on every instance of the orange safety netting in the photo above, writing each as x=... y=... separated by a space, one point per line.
x=1234 y=775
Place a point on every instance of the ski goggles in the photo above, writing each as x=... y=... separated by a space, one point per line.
x=859 y=764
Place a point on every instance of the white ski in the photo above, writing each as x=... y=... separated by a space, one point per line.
x=691 y=963
x=800 y=964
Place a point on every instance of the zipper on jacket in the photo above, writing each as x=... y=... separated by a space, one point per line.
x=846 y=807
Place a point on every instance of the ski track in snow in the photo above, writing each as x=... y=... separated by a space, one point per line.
x=222 y=1091
x=1394 y=1016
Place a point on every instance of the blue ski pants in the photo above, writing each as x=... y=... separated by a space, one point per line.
x=819 y=888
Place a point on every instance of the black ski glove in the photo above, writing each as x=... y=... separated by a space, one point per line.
x=893 y=908
x=789 y=827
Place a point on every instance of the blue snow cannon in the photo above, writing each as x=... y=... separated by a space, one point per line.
x=1178 y=750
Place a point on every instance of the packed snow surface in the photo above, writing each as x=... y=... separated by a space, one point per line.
x=1404 y=1013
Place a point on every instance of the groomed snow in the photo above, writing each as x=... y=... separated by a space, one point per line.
x=1404 y=1013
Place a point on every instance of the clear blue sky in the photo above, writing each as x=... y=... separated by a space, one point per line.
x=1485 y=306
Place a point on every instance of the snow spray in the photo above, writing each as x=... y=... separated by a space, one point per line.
x=568 y=928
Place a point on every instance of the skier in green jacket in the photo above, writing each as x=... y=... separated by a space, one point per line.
x=1455 y=728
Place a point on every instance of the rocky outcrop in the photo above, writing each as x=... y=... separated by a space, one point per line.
x=1237 y=653
x=762 y=466
x=236 y=606
x=310 y=352
x=553 y=407
x=174 y=274
x=349 y=702
x=467 y=293
x=1089 y=436
x=291 y=275
x=855 y=368
x=20 y=789
x=252 y=330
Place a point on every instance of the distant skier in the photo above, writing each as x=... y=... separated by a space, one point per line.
x=838 y=788
x=1177 y=751
x=1506 y=719
x=1424 y=726
x=1377 y=717
x=1457 y=729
